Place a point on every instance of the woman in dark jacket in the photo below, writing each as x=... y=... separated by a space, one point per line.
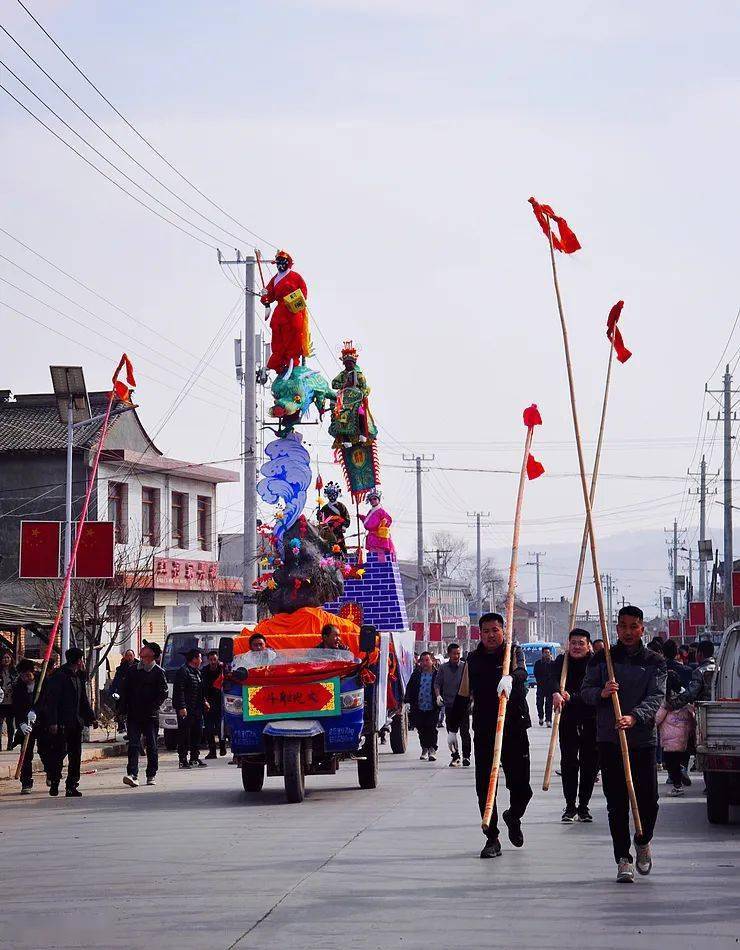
x=7 y=681
x=421 y=697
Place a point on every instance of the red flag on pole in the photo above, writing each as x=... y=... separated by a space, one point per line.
x=613 y=332
x=39 y=549
x=565 y=240
x=123 y=390
x=534 y=468
x=95 y=555
x=531 y=416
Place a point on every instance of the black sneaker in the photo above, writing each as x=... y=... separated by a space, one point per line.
x=54 y=789
x=569 y=816
x=198 y=764
x=515 y=829
x=184 y=764
x=548 y=723
x=211 y=755
x=466 y=763
x=73 y=793
x=491 y=849
x=222 y=748
x=432 y=757
x=584 y=814
x=542 y=722
x=685 y=780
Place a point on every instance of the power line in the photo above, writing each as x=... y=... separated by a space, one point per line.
x=136 y=131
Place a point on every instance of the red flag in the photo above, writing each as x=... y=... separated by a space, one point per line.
x=534 y=468
x=95 y=554
x=565 y=240
x=613 y=333
x=39 y=549
x=123 y=390
x=531 y=416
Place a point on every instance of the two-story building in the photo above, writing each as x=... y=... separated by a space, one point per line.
x=164 y=512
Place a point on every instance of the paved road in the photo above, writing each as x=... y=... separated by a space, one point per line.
x=193 y=863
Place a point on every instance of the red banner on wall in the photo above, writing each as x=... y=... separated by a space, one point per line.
x=435 y=632
x=39 y=549
x=95 y=553
x=674 y=628
x=697 y=613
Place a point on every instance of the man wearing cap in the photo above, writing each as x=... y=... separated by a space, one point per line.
x=143 y=690
x=189 y=702
x=66 y=710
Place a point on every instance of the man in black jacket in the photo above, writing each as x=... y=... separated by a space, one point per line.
x=640 y=682
x=577 y=730
x=211 y=674
x=26 y=719
x=543 y=678
x=143 y=689
x=190 y=705
x=66 y=710
x=483 y=681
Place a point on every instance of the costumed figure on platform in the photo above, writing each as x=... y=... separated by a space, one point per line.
x=289 y=321
x=353 y=426
x=377 y=524
x=334 y=518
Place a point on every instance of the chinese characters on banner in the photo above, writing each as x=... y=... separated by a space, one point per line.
x=181 y=574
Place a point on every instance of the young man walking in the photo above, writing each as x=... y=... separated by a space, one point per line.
x=143 y=689
x=542 y=678
x=484 y=682
x=640 y=682
x=457 y=708
x=577 y=730
x=190 y=704
x=66 y=709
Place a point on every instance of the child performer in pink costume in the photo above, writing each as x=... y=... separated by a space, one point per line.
x=377 y=524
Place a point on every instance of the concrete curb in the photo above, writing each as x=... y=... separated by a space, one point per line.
x=90 y=753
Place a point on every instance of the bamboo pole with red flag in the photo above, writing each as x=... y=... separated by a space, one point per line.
x=530 y=469
x=566 y=242
x=122 y=392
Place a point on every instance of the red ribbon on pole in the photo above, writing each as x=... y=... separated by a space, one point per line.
x=565 y=240
x=614 y=334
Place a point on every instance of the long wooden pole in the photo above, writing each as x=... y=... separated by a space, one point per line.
x=594 y=556
x=508 y=625
x=579 y=574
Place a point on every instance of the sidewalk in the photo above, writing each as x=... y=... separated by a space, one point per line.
x=100 y=747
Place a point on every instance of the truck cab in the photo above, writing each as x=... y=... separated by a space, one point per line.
x=205 y=636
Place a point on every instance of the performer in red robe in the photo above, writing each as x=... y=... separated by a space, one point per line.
x=290 y=336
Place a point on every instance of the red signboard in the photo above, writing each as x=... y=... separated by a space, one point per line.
x=179 y=574
x=39 y=549
x=736 y=588
x=435 y=632
x=697 y=613
x=474 y=633
x=293 y=700
x=674 y=628
x=95 y=553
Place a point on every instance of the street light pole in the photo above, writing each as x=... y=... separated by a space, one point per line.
x=66 y=614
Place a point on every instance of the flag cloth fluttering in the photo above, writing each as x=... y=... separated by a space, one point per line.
x=123 y=390
x=534 y=468
x=565 y=240
x=531 y=416
x=614 y=334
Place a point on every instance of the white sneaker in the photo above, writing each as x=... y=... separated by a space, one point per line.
x=677 y=791
x=625 y=872
x=130 y=781
x=644 y=860
x=150 y=781
x=424 y=755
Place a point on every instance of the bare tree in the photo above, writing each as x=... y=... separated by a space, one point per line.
x=450 y=556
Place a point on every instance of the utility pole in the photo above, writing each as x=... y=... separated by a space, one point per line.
x=249 y=388
x=608 y=585
x=727 y=416
x=478 y=584
x=675 y=569
x=421 y=586
x=537 y=555
x=702 y=491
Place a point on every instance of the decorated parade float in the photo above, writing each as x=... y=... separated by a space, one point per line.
x=300 y=703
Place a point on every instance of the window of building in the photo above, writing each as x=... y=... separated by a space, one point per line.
x=150 y=516
x=179 y=519
x=204 y=523
x=118 y=510
x=206 y=614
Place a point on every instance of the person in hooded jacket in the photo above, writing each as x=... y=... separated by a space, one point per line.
x=577 y=730
x=484 y=682
x=640 y=682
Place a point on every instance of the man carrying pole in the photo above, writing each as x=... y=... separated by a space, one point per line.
x=578 y=754
x=639 y=680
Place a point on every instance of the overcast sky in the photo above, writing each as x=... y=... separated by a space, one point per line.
x=392 y=147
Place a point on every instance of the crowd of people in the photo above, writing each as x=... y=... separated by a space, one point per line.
x=657 y=684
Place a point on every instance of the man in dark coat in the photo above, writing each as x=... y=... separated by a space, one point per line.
x=577 y=730
x=190 y=704
x=66 y=710
x=424 y=705
x=128 y=662
x=542 y=677
x=483 y=680
x=640 y=682
x=211 y=674
x=26 y=719
x=143 y=689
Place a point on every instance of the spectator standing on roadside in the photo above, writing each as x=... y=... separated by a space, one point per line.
x=545 y=690
x=424 y=703
x=597 y=646
x=190 y=704
x=143 y=689
x=456 y=708
x=128 y=662
x=211 y=673
x=674 y=729
x=7 y=681
x=26 y=719
x=66 y=709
